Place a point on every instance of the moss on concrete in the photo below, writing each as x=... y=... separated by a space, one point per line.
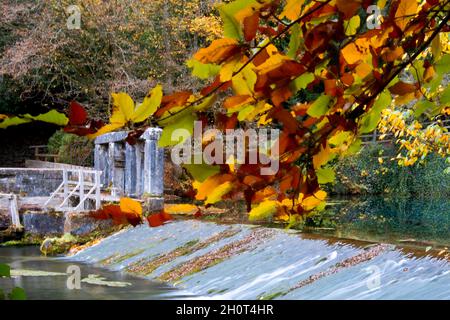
x=145 y=267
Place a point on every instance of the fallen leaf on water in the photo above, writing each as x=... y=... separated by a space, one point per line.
x=101 y=281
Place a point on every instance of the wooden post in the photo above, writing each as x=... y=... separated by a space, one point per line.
x=14 y=211
x=66 y=183
x=97 y=190
x=81 y=180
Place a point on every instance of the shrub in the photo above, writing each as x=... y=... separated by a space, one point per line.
x=71 y=149
x=372 y=171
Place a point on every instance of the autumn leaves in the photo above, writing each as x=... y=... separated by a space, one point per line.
x=312 y=69
x=129 y=211
x=315 y=71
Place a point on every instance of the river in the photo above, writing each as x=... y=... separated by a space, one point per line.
x=335 y=257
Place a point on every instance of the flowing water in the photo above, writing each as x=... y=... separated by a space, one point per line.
x=208 y=260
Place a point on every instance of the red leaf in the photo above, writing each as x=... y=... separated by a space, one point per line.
x=286 y=118
x=77 y=114
x=251 y=26
x=158 y=219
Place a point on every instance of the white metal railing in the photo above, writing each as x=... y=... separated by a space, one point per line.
x=81 y=183
x=13 y=210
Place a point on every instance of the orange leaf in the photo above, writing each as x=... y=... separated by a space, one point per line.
x=391 y=55
x=219 y=51
x=402 y=88
x=130 y=206
x=348 y=7
x=237 y=101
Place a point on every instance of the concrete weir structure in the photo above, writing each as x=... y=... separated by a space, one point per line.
x=132 y=170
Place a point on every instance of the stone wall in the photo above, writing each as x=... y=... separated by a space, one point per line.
x=29 y=182
x=5 y=219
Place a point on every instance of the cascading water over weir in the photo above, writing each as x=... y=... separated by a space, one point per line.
x=249 y=262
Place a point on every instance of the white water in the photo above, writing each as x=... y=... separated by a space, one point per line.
x=276 y=265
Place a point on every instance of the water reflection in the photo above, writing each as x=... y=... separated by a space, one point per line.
x=46 y=279
x=399 y=220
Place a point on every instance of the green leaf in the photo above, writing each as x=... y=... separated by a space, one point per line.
x=14 y=121
x=231 y=27
x=52 y=116
x=148 y=107
x=207 y=102
x=351 y=27
x=445 y=96
x=339 y=138
x=443 y=65
x=201 y=172
x=325 y=175
x=186 y=123
x=319 y=107
x=295 y=41
x=302 y=81
x=355 y=147
x=17 y=294
x=370 y=121
x=203 y=70
x=5 y=270
x=422 y=106
x=2 y=295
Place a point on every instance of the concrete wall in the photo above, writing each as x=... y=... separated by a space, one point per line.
x=38 y=164
x=29 y=182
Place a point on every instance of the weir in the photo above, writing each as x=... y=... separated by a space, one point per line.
x=216 y=261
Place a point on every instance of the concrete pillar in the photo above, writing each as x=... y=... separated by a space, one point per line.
x=139 y=149
x=133 y=170
x=153 y=171
x=153 y=163
x=130 y=170
x=119 y=168
x=101 y=162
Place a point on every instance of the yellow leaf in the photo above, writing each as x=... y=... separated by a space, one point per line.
x=358 y=50
x=106 y=129
x=212 y=182
x=3 y=116
x=148 y=107
x=227 y=70
x=244 y=82
x=405 y=12
x=188 y=209
x=322 y=157
x=124 y=104
x=313 y=201
x=264 y=210
x=130 y=206
x=217 y=194
x=351 y=27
